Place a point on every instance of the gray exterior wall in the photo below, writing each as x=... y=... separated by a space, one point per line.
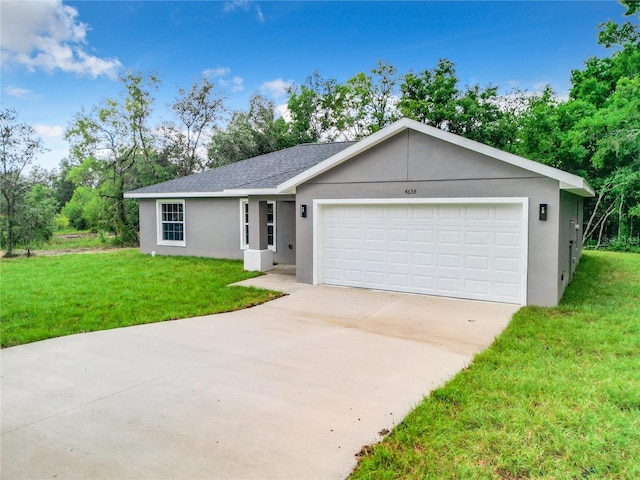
x=285 y=233
x=212 y=229
x=436 y=169
x=570 y=238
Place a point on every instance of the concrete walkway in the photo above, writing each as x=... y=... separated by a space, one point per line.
x=289 y=389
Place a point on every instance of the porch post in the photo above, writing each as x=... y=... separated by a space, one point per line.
x=258 y=256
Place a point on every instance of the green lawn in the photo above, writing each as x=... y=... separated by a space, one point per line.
x=45 y=297
x=557 y=396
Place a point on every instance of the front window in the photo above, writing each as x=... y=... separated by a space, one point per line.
x=244 y=225
x=171 y=229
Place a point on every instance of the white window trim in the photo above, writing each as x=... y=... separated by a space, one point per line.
x=243 y=244
x=243 y=241
x=171 y=243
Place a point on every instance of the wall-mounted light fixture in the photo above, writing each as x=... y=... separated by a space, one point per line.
x=543 y=212
x=303 y=211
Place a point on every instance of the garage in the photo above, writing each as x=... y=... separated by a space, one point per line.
x=464 y=248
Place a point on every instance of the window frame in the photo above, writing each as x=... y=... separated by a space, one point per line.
x=160 y=222
x=244 y=224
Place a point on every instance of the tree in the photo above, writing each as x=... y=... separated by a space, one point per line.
x=197 y=111
x=433 y=97
x=315 y=110
x=19 y=146
x=365 y=103
x=249 y=133
x=36 y=215
x=114 y=138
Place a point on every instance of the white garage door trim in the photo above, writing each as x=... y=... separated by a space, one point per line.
x=318 y=205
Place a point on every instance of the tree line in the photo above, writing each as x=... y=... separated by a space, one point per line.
x=594 y=133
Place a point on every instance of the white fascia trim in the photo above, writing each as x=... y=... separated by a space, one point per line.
x=177 y=195
x=251 y=191
x=524 y=201
x=568 y=181
x=223 y=194
x=583 y=190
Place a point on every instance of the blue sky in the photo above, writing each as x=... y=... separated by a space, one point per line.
x=60 y=57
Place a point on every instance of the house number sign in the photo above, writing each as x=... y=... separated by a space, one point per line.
x=411 y=191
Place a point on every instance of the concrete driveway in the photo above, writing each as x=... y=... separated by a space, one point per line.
x=289 y=389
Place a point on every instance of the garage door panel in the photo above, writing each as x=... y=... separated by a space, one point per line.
x=449 y=284
x=449 y=237
x=353 y=254
x=398 y=213
x=449 y=212
x=462 y=250
x=477 y=238
x=401 y=258
x=478 y=263
x=478 y=287
x=506 y=264
x=449 y=261
x=507 y=239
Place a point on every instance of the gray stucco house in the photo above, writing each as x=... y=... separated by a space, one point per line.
x=410 y=208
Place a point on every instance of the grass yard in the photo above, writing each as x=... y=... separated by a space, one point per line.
x=45 y=297
x=557 y=396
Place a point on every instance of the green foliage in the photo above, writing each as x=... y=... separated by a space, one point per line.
x=109 y=142
x=433 y=97
x=45 y=297
x=87 y=209
x=61 y=221
x=248 y=134
x=37 y=225
x=19 y=145
x=555 y=396
x=197 y=111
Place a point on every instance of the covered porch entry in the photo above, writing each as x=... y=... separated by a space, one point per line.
x=268 y=231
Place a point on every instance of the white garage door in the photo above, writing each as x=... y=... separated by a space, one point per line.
x=464 y=250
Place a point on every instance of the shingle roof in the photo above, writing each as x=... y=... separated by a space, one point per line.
x=264 y=171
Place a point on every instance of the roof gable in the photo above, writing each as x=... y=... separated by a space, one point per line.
x=567 y=181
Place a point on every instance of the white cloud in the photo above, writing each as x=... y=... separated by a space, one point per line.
x=245 y=6
x=276 y=88
x=223 y=78
x=46 y=35
x=49 y=131
x=283 y=112
x=18 y=92
x=236 y=5
x=237 y=84
x=259 y=14
x=216 y=72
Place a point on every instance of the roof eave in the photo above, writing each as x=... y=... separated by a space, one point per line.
x=232 y=192
x=583 y=189
x=176 y=195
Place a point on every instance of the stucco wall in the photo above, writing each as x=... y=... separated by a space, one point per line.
x=436 y=169
x=285 y=233
x=570 y=238
x=213 y=229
